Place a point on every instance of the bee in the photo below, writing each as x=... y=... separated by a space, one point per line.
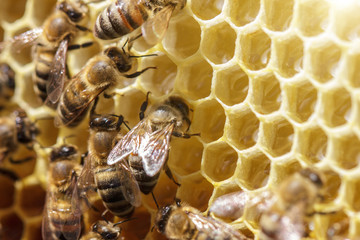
x=104 y=131
x=143 y=151
x=51 y=43
x=124 y=16
x=100 y=73
x=187 y=223
x=103 y=230
x=62 y=215
x=7 y=82
x=14 y=130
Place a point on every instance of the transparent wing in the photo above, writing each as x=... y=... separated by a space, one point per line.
x=57 y=76
x=45 y=226
x=130 y=187
x=214 y=229
x=25 y=39
x=130 y=143
x=155 y=149
x=153 y=30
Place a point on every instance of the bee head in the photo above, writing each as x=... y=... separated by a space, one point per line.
x=106 y=232
x=312 y=176
x=63 y=152
x=179 y=104
x=25 y=129
x=73 y=12
x=106 y=122
x=120 y=58
x=163 y=217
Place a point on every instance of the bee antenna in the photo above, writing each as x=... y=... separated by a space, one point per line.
x=152 y=229
x=149 y=55
x=123 y=47
x=157 y=205
x=178 y=202
x=123 y=221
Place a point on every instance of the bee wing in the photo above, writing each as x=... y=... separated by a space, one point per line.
x=214 y=229
x=130 y=143
x=230 y=205
x=45 y=225
x=74 y=218
x=57 y=75
x=153 y=30
x=130 y=187
x=154 y=150
x=25 y=39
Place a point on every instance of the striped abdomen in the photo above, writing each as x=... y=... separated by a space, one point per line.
x=62 y=221
x=119 y=19
x=146 y=183
x=109 y=187
x=43 y=63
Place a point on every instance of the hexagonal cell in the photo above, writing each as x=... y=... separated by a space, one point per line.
x=352 y=66
x=324 y=57
x=278 y=14
x=337 y=107
x=195 y=79
x=345 y=21
x=312 y=16
x=128 y=105
x=289 y=54
x=312 y=144
x=301 y=99
x=33 y=231
x=28 y=94
x=25 y=168
x=266 y=97
x=177 y=40
x=346 y=151
x=7 y=190
x=222 y=38
x=351 y=194
x=23 y=56
x=255 y=49
x=139 y=226
x=164 y=192
x=253 y=170
x=185 y=155
x=207 y=9
x=12 y=226
x=219 y=161
x=39 y=14
x=208 y=120
x=278 y=136
x=196 y=191
x=243 y=12
x=231 y=85
x=32 y=199
x=244 y=128
x=48 y=132
x=159 y=81
x=331 y=187
x=12 y=10
x=282 y=170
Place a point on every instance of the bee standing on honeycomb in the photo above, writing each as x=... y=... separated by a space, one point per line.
x=100 y=73
x=124 y=16
x=51 y=43
x=143 y=151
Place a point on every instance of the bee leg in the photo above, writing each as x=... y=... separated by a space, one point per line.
x=83 y=156
x=103 y=215
x=20 y=161
x=78 y=46
x=184 y=135
x=9 y=174
x=170 y=175
x=157 y=205
x=144 y=106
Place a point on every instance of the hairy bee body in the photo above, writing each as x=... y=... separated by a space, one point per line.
x=7 y=82
x=62 y=217
x=104 y=129
x=103 y=230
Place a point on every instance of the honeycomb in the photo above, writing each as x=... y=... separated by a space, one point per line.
x=273 y=86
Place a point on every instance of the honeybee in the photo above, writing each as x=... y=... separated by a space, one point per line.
x=100 y=73
x=62 y=215
x=104 y=130
x=51 y=43
x=7 y=82
x=186 y=223
x=15 y=130
x=103 y=230
x=143 y=151
x=124 y=16
x=284 y=212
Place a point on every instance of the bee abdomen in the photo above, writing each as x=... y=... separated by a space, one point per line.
x=109 y=187
x=146 y=183
x=119 y=19
x=62 y=222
